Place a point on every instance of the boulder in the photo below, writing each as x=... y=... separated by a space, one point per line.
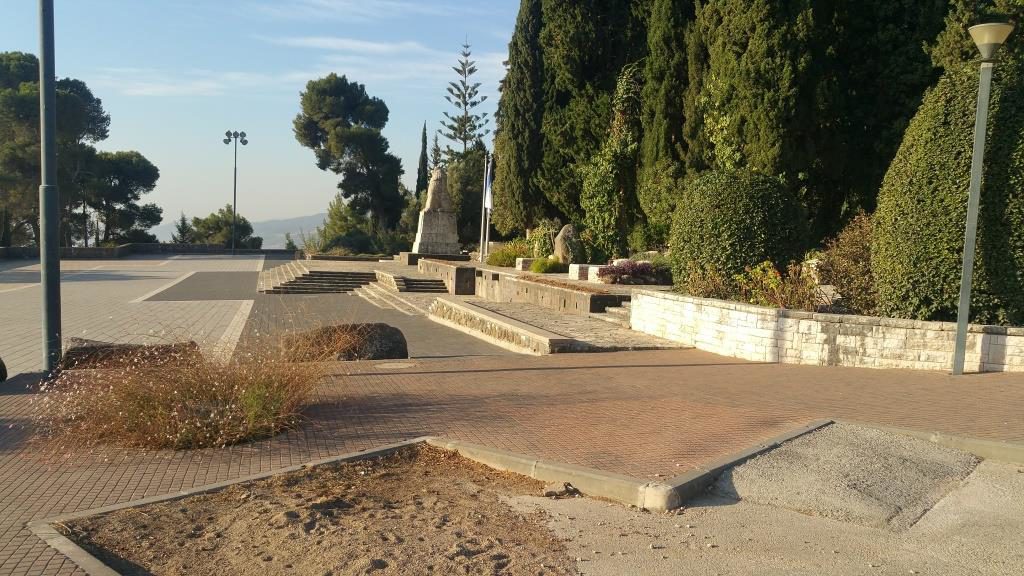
x=568 y=249
x=83 y=354
x=3 y=370
x=347 y=342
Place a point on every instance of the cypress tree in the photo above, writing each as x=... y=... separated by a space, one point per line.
x=584 y=46
x=423 y=170
x=665 y=80
x=517 y=144
x=954 y=46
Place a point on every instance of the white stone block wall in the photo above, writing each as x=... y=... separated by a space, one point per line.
x=795 y=337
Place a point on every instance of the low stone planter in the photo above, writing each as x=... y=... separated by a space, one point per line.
x=795 y=337
x=523 y=264
x=593 y=273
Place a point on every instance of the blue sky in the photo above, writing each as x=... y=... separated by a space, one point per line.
x=175 y=74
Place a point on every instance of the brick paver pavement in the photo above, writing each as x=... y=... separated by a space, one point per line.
x=637 y=413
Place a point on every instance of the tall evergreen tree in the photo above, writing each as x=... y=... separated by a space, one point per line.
x=465 y=127
x=517 y=143
x=584 y=45
x=665 y=80
x=423 y=169
x=183 y=233
x=436 y=157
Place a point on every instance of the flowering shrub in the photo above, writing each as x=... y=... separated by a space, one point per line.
x=764 y=285
x=632 y=272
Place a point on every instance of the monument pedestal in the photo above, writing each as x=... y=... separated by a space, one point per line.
x=437 y=235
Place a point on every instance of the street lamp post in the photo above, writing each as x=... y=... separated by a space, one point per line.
x=49 y=196
x=230 y=136
x=989 y=38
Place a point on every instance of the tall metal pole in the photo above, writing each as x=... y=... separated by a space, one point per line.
x=234 y=200
x=483 y=209
x=973 y=201
x=49 y=196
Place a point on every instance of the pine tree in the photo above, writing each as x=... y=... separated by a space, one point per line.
x=464 y=126
x=183 y=233
x=423 y=170
x=517 y=143
x=289 y=243
x=665 y=80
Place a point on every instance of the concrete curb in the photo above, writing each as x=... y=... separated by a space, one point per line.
x=987 y=449
x=693 y=483
x=92 y=566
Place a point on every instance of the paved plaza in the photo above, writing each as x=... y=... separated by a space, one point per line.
x=649 y=414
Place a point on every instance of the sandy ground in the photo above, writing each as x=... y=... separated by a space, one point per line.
x=843 y=501
x=423 y=511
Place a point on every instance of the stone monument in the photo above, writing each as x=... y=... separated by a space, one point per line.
x=438 y=230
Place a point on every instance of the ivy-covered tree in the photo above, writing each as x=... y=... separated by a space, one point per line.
x=465 y=186
x=609 y=178
x=342 y=124
x=664 y=84
x=465 y=126
x=423 y=168
x=584 y=46
x=518 y=202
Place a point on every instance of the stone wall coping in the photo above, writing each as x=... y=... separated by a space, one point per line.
x=827 y=318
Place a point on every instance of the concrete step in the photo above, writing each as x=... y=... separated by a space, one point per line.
x=616 y=319
x=619 y=311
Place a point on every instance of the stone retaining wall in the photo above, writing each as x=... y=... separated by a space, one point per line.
x=459 y=279
x=503 y=287
x=109 y=253
x=795 y=337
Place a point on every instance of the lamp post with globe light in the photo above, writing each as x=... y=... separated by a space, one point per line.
x=989 y=38
x=236 y=137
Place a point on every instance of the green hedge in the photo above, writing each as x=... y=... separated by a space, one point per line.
x=548 y=266
x=730 y=220
x=918 y=238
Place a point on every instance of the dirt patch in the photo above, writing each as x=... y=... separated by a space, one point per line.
x=418 y=511
x=562 y=284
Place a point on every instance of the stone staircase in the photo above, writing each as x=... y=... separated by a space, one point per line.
x=387 y=299
x=430 y=286
x=616 y=315
x=296 y=278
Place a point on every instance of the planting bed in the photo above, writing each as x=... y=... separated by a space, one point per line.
x=421 y=510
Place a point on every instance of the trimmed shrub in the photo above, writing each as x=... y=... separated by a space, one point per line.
x=634 y=272
x=846 y=264
x=917 y=242
x=507 y=254
x=548 y=266
x=728 y=221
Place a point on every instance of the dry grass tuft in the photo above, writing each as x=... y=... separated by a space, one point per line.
x=140 y=402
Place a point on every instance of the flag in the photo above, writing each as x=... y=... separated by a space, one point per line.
x=489 y=181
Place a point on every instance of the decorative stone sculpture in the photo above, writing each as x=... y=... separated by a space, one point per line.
x=568 y=249
x=438 y=229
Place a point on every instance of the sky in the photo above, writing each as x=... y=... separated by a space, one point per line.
x=174 y=75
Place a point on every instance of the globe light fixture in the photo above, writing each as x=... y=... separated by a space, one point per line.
x=989 y=38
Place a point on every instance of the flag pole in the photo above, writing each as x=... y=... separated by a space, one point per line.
x=483 y=208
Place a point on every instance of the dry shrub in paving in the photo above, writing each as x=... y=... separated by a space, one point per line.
x=418 y=511
x=135 y=402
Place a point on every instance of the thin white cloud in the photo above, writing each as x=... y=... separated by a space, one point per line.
x=341 y=44
x=353 y=10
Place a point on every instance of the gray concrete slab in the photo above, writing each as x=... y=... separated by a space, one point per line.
x=211 y=286
x=851 y=474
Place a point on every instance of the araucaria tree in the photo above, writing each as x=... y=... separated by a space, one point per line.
x=342 y=124
x=465 y=126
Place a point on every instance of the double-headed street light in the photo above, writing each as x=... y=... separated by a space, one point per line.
x=989 y=38
x=237 y=137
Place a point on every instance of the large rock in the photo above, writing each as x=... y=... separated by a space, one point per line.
x=3 y=370
x=346 y=342
x=568 y=249
x=85 y=354
x=438 y=228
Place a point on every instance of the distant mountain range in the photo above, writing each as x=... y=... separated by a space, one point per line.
x=272 y=231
